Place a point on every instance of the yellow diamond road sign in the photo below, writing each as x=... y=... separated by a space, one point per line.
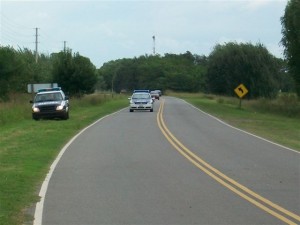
x=241 y=90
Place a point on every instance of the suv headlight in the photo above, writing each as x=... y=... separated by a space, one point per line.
x=60 y=107
x=35 y=109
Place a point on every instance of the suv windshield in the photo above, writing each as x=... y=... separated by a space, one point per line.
x=48 y=97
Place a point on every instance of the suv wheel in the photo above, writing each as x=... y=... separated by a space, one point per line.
x=66 y=116
x=35 y=117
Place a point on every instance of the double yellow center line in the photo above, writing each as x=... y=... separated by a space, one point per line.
x=259 y=201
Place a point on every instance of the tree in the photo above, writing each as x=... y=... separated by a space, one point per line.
x=33 y=72
x=18 y=68
x=232 y=64
x=291 y=39
x=184 y=72
x=10 y=69
x=75 y=74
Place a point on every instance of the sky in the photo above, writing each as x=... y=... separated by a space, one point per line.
x=109 y=30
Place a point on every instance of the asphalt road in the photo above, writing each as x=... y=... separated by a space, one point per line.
x=176 y=165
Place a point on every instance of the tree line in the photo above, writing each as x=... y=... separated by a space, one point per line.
x=219 y=73
x=227 y=66
x=18 y=68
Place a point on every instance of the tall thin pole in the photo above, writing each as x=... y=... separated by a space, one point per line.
x=65 y=46
x=153 y=37
x=36 y=44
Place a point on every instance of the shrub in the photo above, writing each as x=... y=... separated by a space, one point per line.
x=285 y=104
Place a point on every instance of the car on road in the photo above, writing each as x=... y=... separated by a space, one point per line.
x=159 y=92
x=50 y=103
x=154 y=94
x=141 y=101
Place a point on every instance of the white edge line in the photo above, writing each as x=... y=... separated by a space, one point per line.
x=282 y=146
x=38 y=215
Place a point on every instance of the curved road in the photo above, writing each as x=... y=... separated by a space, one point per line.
x=176 y=165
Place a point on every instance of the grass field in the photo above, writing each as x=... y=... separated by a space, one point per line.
x=28 y=147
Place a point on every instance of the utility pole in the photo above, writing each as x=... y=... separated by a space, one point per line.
x=36 y=44
x=65 y=46
x=153 y=37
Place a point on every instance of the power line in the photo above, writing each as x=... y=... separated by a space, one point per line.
x=48 y=41
x=15 y=35
x=12 y=23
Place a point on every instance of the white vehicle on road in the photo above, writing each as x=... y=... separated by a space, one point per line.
x=141 y=101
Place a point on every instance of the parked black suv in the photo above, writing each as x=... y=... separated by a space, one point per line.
x=50 y=103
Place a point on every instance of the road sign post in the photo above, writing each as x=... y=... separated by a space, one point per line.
x=241 y=91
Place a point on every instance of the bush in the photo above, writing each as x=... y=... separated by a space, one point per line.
x=17 y=109
x=285 y=104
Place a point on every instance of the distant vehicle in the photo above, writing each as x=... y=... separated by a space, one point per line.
x=159 y=92
x=155 y=94
x=50 y=103
x=135 y=91
x=141 y=101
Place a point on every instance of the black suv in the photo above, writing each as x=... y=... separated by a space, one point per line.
x=50 y=103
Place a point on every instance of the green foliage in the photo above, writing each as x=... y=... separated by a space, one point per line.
x=232 y=64
x=19 y=68
x=34 y=71
x=184 y=72
x=10 y=70
x=291 y=39
x=286 y=105
x=74 y=73
x=16 y=109
x=225 y=68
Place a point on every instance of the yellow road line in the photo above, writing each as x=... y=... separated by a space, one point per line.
x=222 y=178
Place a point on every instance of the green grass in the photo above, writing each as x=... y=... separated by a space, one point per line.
x=28 y=147
x=267 y=119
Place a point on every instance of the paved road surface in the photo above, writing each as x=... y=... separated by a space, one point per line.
x=176 y=165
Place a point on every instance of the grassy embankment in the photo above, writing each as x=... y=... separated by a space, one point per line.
x=28 y=147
